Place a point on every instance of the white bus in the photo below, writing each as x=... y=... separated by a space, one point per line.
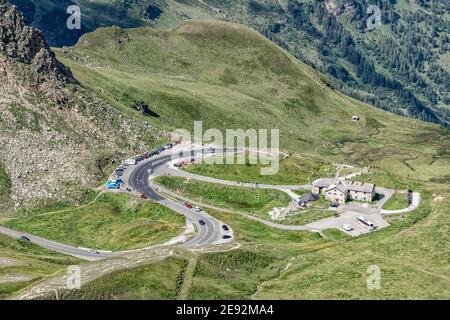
x=366 y=223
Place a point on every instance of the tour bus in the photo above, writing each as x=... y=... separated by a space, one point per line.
x=366 y=223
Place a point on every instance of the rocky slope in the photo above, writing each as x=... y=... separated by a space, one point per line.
x=27 y=45
x=56 y=139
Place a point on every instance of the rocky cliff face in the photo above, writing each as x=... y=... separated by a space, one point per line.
x=27 y=45
x=56 y=139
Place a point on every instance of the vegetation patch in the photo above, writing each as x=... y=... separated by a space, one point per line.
x=307 y=216
x=233 y=275
x=113 y=222
x=23 y=264
x=156 y=281
x=5 y=183
x=256 y=201
x=293 y=170
x=397 y=201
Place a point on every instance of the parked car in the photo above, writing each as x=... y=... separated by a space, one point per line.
x=226 y=236
x=144 y=196
x=335 y=205
x=197 y=209
x=150 y=171
x=202 y=223
x=347 y=227
x=188 y=205
x=113 y=185
x=177 y=165
x=23 y=238
x=225 y=228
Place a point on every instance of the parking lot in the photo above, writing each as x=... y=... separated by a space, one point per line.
x=350 y=217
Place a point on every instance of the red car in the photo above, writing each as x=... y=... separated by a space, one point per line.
x=144 y=196
x=188 y=205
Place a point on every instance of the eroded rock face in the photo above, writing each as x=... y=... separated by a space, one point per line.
x=27 y=45
x=55 y=138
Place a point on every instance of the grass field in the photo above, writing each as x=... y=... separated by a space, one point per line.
x=385 y=179
x=307 y=216
x=157 y=281
x=396 y=202
x=22 y=264
x=255 y=201
x=411 y=254
x=113 y=222
x=293 y=170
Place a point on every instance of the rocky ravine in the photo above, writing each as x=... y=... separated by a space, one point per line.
x=55 y=138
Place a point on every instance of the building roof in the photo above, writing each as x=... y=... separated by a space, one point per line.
x=340 y=186
x=344 y=185
x=310 y=197
x=324 y=182
x=360 y=186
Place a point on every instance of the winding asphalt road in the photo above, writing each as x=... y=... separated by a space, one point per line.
x=209 y=232
x=59 y=247
x=140 y=179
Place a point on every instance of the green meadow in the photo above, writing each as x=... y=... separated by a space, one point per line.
x=113 y=222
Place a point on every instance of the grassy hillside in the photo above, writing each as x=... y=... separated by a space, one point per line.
x=23 y=264
x=158 y=281
x=402 y=66
x=255 y=201
x=112 y=222
x=231 y=77
x=274 y=264
x=294 y=169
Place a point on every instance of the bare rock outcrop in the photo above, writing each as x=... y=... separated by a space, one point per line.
x=26 y=50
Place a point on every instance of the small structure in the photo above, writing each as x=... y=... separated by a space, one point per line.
x=342 y=190
x=337 y=192
x=321 y=184
x=310 y=197
x=361 y=191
